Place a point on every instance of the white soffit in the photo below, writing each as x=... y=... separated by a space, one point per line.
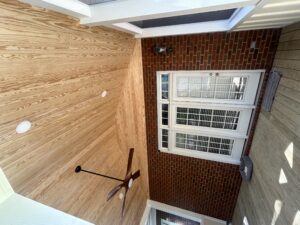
x=192 y=28
x=272 y=14
x=134 y=10
x=69 y=7
x=250 y=14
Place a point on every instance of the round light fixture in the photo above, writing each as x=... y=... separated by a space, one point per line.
x=23 y=127
x=130 y=183
x=121 y=196
x=103 y=93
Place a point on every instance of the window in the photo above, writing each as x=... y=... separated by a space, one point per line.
x=166 y=222
x=205 y=114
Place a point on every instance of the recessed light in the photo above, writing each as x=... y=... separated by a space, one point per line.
x=23 y=127
x=103 y=93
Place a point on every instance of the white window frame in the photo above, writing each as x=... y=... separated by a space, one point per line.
x=245 y=114
x=166 y=222
x=239 y=135
x=202 y=219
x=248 y=98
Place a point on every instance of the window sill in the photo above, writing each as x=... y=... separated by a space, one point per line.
x=202 y=155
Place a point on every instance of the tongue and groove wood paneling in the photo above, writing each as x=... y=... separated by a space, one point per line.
x=52 y=71
x=273 y=194
x=131 y=114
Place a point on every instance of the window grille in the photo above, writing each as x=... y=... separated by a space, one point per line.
x=205 y=114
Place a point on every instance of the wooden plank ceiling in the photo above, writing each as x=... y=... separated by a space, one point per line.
x=52 y=71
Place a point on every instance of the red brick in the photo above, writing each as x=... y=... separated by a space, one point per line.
x=202 y=186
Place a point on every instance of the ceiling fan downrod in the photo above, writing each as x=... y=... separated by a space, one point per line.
x=127 y=182
x=79 y=169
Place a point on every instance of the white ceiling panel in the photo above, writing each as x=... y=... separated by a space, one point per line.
x=272 y=14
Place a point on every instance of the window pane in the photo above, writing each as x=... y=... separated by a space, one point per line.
x=164 y=114
x=182 y=87
x=205 y=144
x=215 y=87
x=222 y=119
x=165 y=86
x=180 y=140
x=195 y=87
x=164 y=138
x=181 y=116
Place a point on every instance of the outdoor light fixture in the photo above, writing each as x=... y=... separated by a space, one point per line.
x=163 y=50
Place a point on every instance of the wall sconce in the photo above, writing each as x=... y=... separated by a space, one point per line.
x=246 y=168
x=163 y=50
x=253 y=45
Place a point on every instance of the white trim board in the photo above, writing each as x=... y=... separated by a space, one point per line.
x=16 y=209
x=192 y=28
x=203 y=219
x=69 y=7
x=134 y=10
x=5 y=189
x=119 y=14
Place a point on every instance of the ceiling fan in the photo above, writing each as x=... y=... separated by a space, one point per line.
x=127 y=182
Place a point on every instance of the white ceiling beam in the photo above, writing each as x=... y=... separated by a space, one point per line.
x=69 y=7
x=134 y=10
x=127 y=27
x=282 y=4
x=192 y=28
x=245 y=14
x=239 y=16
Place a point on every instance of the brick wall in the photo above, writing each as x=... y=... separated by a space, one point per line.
x=202 y=186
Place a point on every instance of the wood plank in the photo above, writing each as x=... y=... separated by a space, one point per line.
x=291 y=28
x=290 y=45
x=290 y=54
x=288 y=73
x=292 y=84
x=287 y=64
x=52 y=71
x=290 y=36
x=288 y=117
x=276 y=146
x=288 y=103
x=131 y=113
x=257 y=198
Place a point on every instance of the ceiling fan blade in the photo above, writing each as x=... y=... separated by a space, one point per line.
x=124 y=200
x=114 y=191
x=129 y=161
x=136 y=175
